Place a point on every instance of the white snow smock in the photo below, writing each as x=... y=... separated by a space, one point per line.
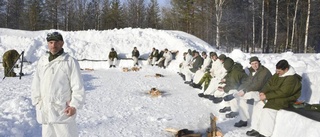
x=55 y=86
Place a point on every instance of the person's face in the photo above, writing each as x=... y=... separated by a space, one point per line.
x=255 y=65
x=214 y=58
x=55 y=46
x=221 y=60
x=280 y=72
x=204 y=55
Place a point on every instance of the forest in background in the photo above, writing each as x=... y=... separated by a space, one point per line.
x=254 y=26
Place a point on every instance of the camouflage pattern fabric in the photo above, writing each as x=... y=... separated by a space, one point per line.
x=8 y=60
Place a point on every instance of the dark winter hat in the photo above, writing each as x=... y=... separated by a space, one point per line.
x=228 y=63
x=56 y=36
x=222 y=57
x=112 y=49
x=189 y=51
x=213 y=54
x=254 y=58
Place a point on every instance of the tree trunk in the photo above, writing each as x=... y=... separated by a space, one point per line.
x=276 y=29
x=288 y=25
x=253 y=29
x=307 y=29
x=267 y=43
x=293 y=24
x=262 y=26
x=218 y=4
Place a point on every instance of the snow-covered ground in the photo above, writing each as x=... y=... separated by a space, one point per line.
x=117 y=103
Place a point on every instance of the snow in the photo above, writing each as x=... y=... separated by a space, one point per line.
x=117 y=102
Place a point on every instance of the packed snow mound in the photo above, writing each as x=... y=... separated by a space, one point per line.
x=91 y=44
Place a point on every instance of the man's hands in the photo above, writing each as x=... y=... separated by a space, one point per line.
x=69 y=111
x=240 y=93
x=220 y=89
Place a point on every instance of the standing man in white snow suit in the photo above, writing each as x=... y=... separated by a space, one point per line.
x=135 y=56
x=281 y=90
x=113 y=57
x=57 y=90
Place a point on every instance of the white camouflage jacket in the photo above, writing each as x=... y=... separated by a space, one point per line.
x=55 y=86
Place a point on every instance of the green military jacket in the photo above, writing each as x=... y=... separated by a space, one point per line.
x=282 y=90
x=235 y=77
x=196 y=65
x=257 y=81
x=113 y=54
x=154 y=54
x=9 y=57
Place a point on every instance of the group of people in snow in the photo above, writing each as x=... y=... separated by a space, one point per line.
x=160 y=59
x=224 y=81
x=156 y=58
x=58 y=90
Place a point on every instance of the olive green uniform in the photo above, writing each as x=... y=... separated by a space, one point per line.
x=8 y=60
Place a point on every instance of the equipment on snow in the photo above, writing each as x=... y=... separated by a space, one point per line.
x=183 y=132
x=157 y=75
x=21 y=74
x=14 y=66
x=214 y=131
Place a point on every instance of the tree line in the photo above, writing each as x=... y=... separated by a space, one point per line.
x=255 y=26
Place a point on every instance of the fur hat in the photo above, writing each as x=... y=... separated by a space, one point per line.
x=228 y=63
x=254 y=58
x=222 y=57
x=213 y=54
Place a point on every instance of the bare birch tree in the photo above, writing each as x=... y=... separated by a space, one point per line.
x=262 y=26
x=219 y=4
x=276 y=28
x=307 y=28
x=294 y=24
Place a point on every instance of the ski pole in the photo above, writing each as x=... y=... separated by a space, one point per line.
x=21 y=65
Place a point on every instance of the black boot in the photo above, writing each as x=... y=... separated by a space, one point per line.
x=252 y=133
x=228 y=97
x=241 y=124
x=217 y=100
x=225 y=109
x=232 y=114
x=201 y=95
x=110 y=66
x=114 y=66
x=194 y=85
x=260 y=135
